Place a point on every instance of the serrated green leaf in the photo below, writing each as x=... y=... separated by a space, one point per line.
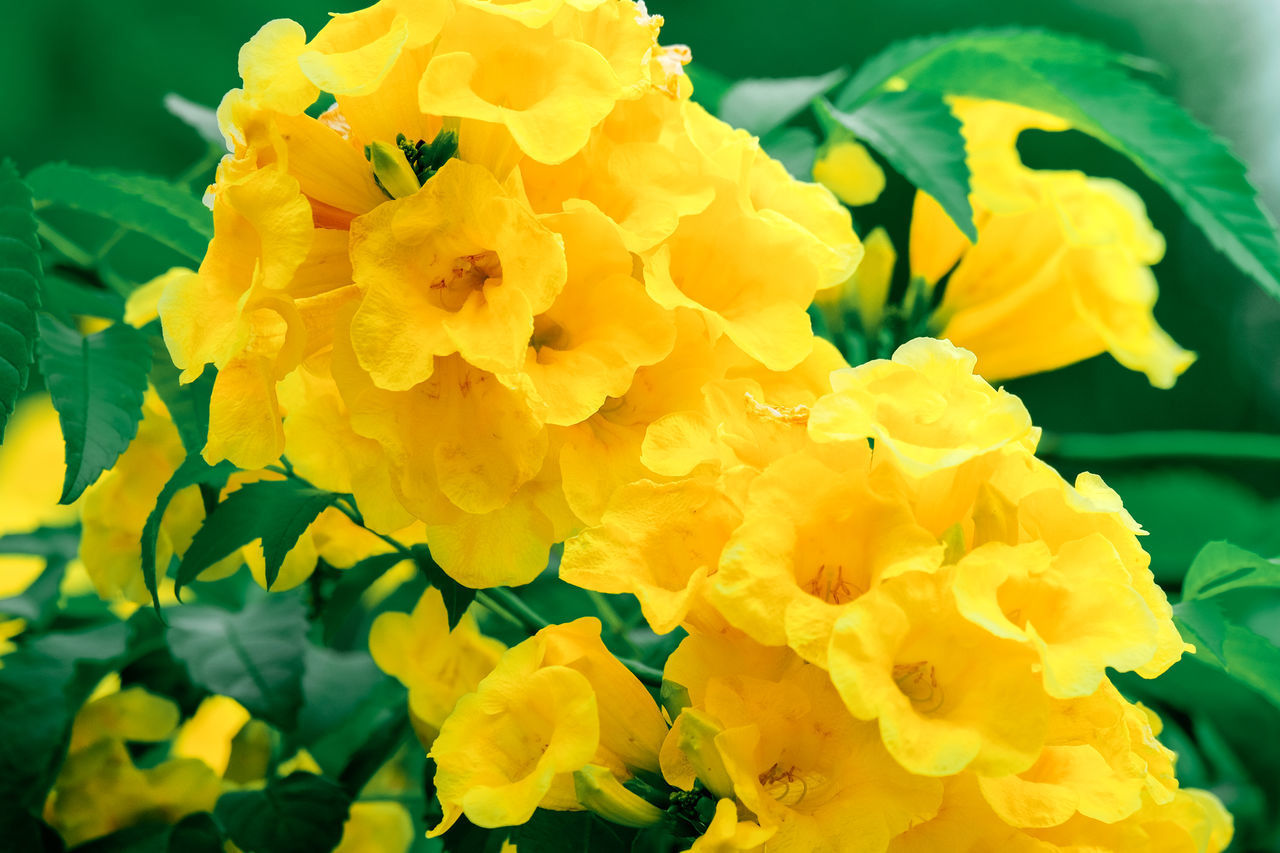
x=150 y=206
x=97 y=384
x=917 y=133
x=256 y=656
x=188 y=404
x=1084 y=84
x=301 y=813
x=759 y=106
x=457 y=598
x=20 y=280
x=275 y=511
x=193 y=471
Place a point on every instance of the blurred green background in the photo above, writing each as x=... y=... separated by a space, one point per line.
x=85 y=83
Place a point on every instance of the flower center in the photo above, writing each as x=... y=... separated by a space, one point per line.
x=918 y=681
x=464 y=276
x=829 y=584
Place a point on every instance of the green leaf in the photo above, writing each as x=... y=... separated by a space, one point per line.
x=193 y=471
x=275 y=511
x=759 y=106
x=97 y=384
x=1084 y=84
x=256 y=656
x=1221 y=567
x=66 y=298
x=350 y=587
x=301 y=813
x=795 y=148
x=457 y=598
x=910 y=59
x=1231 y=613
x=150 y=206
x=20 y=279
x=554 y=831
x=917 y=133
x=38 y=604
x=708 y=87
x=333 y=685
x=188 y=404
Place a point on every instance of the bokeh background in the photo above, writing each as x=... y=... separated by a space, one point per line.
x=84 y=82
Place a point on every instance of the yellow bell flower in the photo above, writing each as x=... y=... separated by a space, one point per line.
x=514 y=743
x=1077 y=608
x=1101 y=760
x=437 y=665
x=816 y=534
x=376 y=827
x=458 y=267
x=31 y=470
x=554 y=703
x=1082 y=282
x=797 y=760
x=939 y=685
x=925 y=408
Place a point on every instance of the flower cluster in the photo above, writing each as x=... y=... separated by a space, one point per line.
x=464 y=289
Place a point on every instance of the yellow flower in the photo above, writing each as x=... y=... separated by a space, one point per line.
x=795 y=757
x=925 y=408
x=553 y=704
x=845 y=167
x=866 y=291
x=209 y=734
x=546 y=88
x=457 y=267
x=439 y=666
x=1082 y=282
x=513 y=744
x=1193 y=821
x=31 y=469
x=1101 y=760
x=940 y=686
x=965 y=822
x=99 y=789
x=816 y=534
x=1077 y=608
x=376 y=827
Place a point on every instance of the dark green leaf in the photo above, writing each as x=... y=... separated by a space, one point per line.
x=166 y=213
x=1083 y=84
x=457 y=598
x=275 y=511
x=256 y=656
x=193 y=471
x=350 y=587
x=760 y=106
x=302 y=813
x=23 y=831
x=188 y=404
x=20 y=278
x=383 y=742
x=333 y=686
x=97 y=384
x=916 y=132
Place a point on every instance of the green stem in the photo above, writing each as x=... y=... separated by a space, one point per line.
x=609 y=616
x=509 y=601
x=486 y=601
x=643 y=671
x=1168 y=444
